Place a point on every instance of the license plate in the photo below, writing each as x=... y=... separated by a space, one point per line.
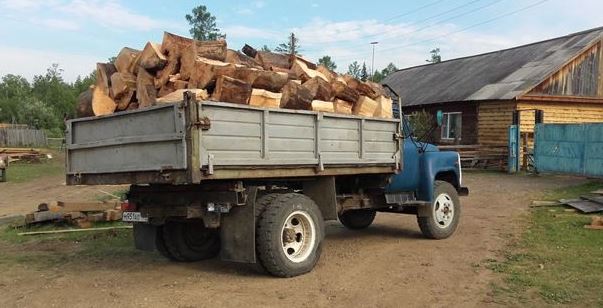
x=134 y=217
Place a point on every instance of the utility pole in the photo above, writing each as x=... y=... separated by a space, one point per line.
x=373 y=62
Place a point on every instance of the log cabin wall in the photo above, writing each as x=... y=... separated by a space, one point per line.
x=493 y=121
x=469 y=120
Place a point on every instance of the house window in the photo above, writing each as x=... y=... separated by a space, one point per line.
x=451 y=125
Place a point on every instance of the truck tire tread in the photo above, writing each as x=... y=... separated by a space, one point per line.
x=427 y=224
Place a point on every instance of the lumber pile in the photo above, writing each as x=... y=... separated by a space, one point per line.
x=160 y=73
x=22 y=154
x=81 y=214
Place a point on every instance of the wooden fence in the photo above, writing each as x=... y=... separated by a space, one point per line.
x=22 y=137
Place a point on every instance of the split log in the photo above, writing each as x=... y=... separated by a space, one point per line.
x=84 y=104
x=133 y=106
x=318 y=105
x=264 y=98
x=305 y=73
x=103 y=76
x=384 y=108
x=146 y=93
x=174 y=45
x=365 y=106
x=213 y=50
x=290 y=74
x=271 y=81
x=342 y=91
x=270 y=59
x=378 y=89
x=342 y=106
x=311 y=65
x=249 y=75
x=102 y=104
x=296 y=96
x=232 y=90
x=163 y=76
x=236 y=57
x=178 y=96
x=151 y=58
x=166 y=89
x=180 y=84
x=327 y=72
x=123 y=86
x=127 y=60
x=320 y=89
x=249 y=51
x=206 y=71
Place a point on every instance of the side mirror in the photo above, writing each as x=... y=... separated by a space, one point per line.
x=439 y=117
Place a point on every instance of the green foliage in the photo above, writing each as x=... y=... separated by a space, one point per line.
x=364 y=73
x=354 y=69
x=327 y=62
x=421 y=122
x=266 y=48
x=42 y=104
x=203 y=24
x=291 y=47
x=435 y=56
x=378 y=76
x=556 y=261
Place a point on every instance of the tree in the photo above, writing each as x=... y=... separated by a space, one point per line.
x=291 y=47
x=354 y=69
x=363 y=73
x=435 y=56
x=380 y=75
x=327 y=62
x=111 y=60
x=266 y=48
x=203 y=25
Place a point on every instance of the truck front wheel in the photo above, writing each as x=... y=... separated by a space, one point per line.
x=357 y=219
x=289 y=235
x=189 y=241
x=443 y=215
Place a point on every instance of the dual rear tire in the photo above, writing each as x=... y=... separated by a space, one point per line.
x=187 y=241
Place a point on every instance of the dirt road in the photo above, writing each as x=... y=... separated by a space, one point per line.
x=388 y=265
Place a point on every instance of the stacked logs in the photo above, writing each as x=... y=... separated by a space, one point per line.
x=160 y=73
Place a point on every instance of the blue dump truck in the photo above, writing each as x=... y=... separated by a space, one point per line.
x=256 y=185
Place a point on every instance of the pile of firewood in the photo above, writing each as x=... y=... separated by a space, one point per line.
x=161 y=73
x=81 y=214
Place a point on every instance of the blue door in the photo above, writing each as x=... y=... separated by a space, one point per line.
x=513 y=161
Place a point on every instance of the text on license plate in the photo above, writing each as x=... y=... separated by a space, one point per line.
x=134 y=217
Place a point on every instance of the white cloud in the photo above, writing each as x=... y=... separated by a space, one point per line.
x=259 y=4
x=30 y=62
x=111 y=14
x=244 y=32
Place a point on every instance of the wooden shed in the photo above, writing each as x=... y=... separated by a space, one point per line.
x=479 y=94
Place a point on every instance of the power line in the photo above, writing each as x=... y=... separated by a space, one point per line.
x=460 y=30
x=456 y=8
x=441 y=21
x=415 y=10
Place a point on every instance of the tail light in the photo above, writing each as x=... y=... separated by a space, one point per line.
x=127 y=206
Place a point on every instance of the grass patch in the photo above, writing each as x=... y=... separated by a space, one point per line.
x=119 y=194
x=19 y=172
x=555 y=261
x=54 y=250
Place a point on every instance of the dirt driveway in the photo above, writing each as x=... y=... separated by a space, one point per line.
x=388 y=265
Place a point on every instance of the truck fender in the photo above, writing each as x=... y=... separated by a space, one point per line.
x=433 y=169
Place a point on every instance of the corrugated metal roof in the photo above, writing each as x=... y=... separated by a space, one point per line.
x=499 y=75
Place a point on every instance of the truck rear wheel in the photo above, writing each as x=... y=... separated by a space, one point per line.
x=357 y=219
x=289 y=235
x=444 y=213
x=189 y=241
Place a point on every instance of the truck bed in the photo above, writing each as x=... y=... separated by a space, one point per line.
x=190 y=142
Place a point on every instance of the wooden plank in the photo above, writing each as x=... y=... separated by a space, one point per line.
x=73 y=230
x=69 y=206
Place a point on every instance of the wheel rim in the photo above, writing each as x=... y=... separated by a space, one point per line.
x=443 y=211
x=197 y=237
x=298 y=236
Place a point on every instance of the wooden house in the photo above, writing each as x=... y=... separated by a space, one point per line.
x=479 y=94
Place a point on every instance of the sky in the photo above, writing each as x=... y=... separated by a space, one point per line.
x=78 y=33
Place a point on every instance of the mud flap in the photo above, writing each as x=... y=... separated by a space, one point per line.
x=237 y=232
x=144 y=236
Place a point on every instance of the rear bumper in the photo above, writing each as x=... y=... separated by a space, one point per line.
x=463 y=191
